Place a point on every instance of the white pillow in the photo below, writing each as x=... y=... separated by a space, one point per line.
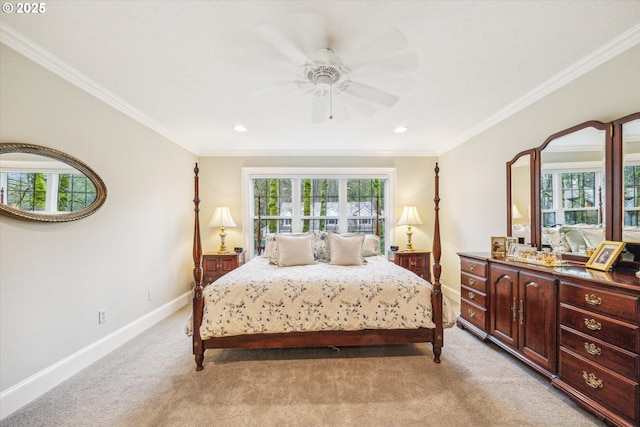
x=371 y=245
x=346 y=250
x=592 y=236
x=294 y=250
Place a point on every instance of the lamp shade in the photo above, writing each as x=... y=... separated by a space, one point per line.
x=515 y=212
x=409 y=216
x=222 y=218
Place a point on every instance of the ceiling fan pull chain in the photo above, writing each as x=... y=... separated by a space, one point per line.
x=330 y=99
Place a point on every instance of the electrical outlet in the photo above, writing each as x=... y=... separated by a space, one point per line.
x=102 y=316
x=150 y=294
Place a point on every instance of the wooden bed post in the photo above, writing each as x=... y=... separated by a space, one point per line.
x=198 y=301
x=436 y=298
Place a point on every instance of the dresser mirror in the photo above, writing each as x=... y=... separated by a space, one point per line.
x=519 y=178
x=42 y=184
x=627 y=137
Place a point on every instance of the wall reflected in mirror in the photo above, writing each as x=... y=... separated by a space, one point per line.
x=521 y=199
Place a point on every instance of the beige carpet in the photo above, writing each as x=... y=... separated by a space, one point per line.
x=152 y=381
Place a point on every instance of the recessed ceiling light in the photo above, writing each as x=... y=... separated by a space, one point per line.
x=239 y=128
x=401 y=129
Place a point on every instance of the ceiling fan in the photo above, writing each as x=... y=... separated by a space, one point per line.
x=375 y=71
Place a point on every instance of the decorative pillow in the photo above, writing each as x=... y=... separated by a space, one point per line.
x=630 y=235
x=371 y=245
x=557 y=240
x=269 y=243
x=321 y=246
x=593 y=236
x=294 y=250
x=346 y=250
x=574 y=237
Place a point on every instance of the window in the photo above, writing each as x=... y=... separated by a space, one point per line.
x=293 y=201
x=571 y=198
x=47 y=192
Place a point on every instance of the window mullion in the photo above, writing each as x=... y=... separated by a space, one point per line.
x=296 y=200
x=343 y=222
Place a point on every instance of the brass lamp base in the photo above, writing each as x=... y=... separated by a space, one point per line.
x=409 y=247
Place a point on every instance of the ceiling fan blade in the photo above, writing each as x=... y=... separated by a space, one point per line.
x=357 y=105
x=282 y=43
x=387 y=45
x=371 y=94
x=396 y=66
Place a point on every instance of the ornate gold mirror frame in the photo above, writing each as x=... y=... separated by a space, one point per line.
x=101 y=189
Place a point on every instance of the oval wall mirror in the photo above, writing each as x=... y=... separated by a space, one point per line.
x=42 y=184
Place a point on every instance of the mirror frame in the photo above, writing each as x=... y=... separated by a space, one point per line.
x=618 y=168
x=608 y=169
x=101 y=188
x=532 y=220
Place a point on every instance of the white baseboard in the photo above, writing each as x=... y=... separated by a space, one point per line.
x=454 y=296
x=36 y=385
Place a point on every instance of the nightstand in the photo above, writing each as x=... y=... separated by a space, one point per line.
x=216 y=265
x=417 y=261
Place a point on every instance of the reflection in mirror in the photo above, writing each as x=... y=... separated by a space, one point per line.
x=572 y=191
x=38 y=183
x=520 y=177
x=631 y=181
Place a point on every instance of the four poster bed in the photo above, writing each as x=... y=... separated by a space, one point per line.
x=312 y=290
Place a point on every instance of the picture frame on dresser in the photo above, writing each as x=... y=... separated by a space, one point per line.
x=498 y=246
x=605 y=255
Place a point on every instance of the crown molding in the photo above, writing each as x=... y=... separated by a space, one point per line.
x=620 y=44
x=21 y=44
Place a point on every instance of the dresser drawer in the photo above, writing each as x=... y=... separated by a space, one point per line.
x=612 y=331
x=473 y=314
x=621 y=306
x=618 y=360
x=479 y=268
x=474 y=282
x=474 y=296
x=602 y=385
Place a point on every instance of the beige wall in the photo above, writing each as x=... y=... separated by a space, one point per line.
x=221 y=185
x=55 y=277
x=474 y=174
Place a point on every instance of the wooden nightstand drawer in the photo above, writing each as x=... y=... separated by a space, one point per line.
x=474 y=314
x=417 y=261
x=215 y=266
x=597 y=351
x=618 y=333
x=474 y=282
x=592 y=299
x=472 y=266
x=602 y=385
x=474 y=296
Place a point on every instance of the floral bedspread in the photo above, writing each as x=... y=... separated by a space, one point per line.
x=260 y=297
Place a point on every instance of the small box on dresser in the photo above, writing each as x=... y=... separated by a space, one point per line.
x=473 y=294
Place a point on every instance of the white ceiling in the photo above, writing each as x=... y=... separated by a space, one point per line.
x=192 y=70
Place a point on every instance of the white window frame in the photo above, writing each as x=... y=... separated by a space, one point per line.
x=250 y=173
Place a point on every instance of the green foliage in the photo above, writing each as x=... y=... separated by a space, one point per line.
x=273 y=204
x=306 y=203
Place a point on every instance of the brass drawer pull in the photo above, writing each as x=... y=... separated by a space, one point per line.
x=592 y=349
x=472 y=313
x=472 y=267
x=592 y=380
x=592 y=324
x=592 y=299
x=472 y=295
x=472 y=282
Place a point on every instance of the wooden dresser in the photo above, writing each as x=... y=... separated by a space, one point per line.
x=216 y=265
x=579 y=327
x=417 y=261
